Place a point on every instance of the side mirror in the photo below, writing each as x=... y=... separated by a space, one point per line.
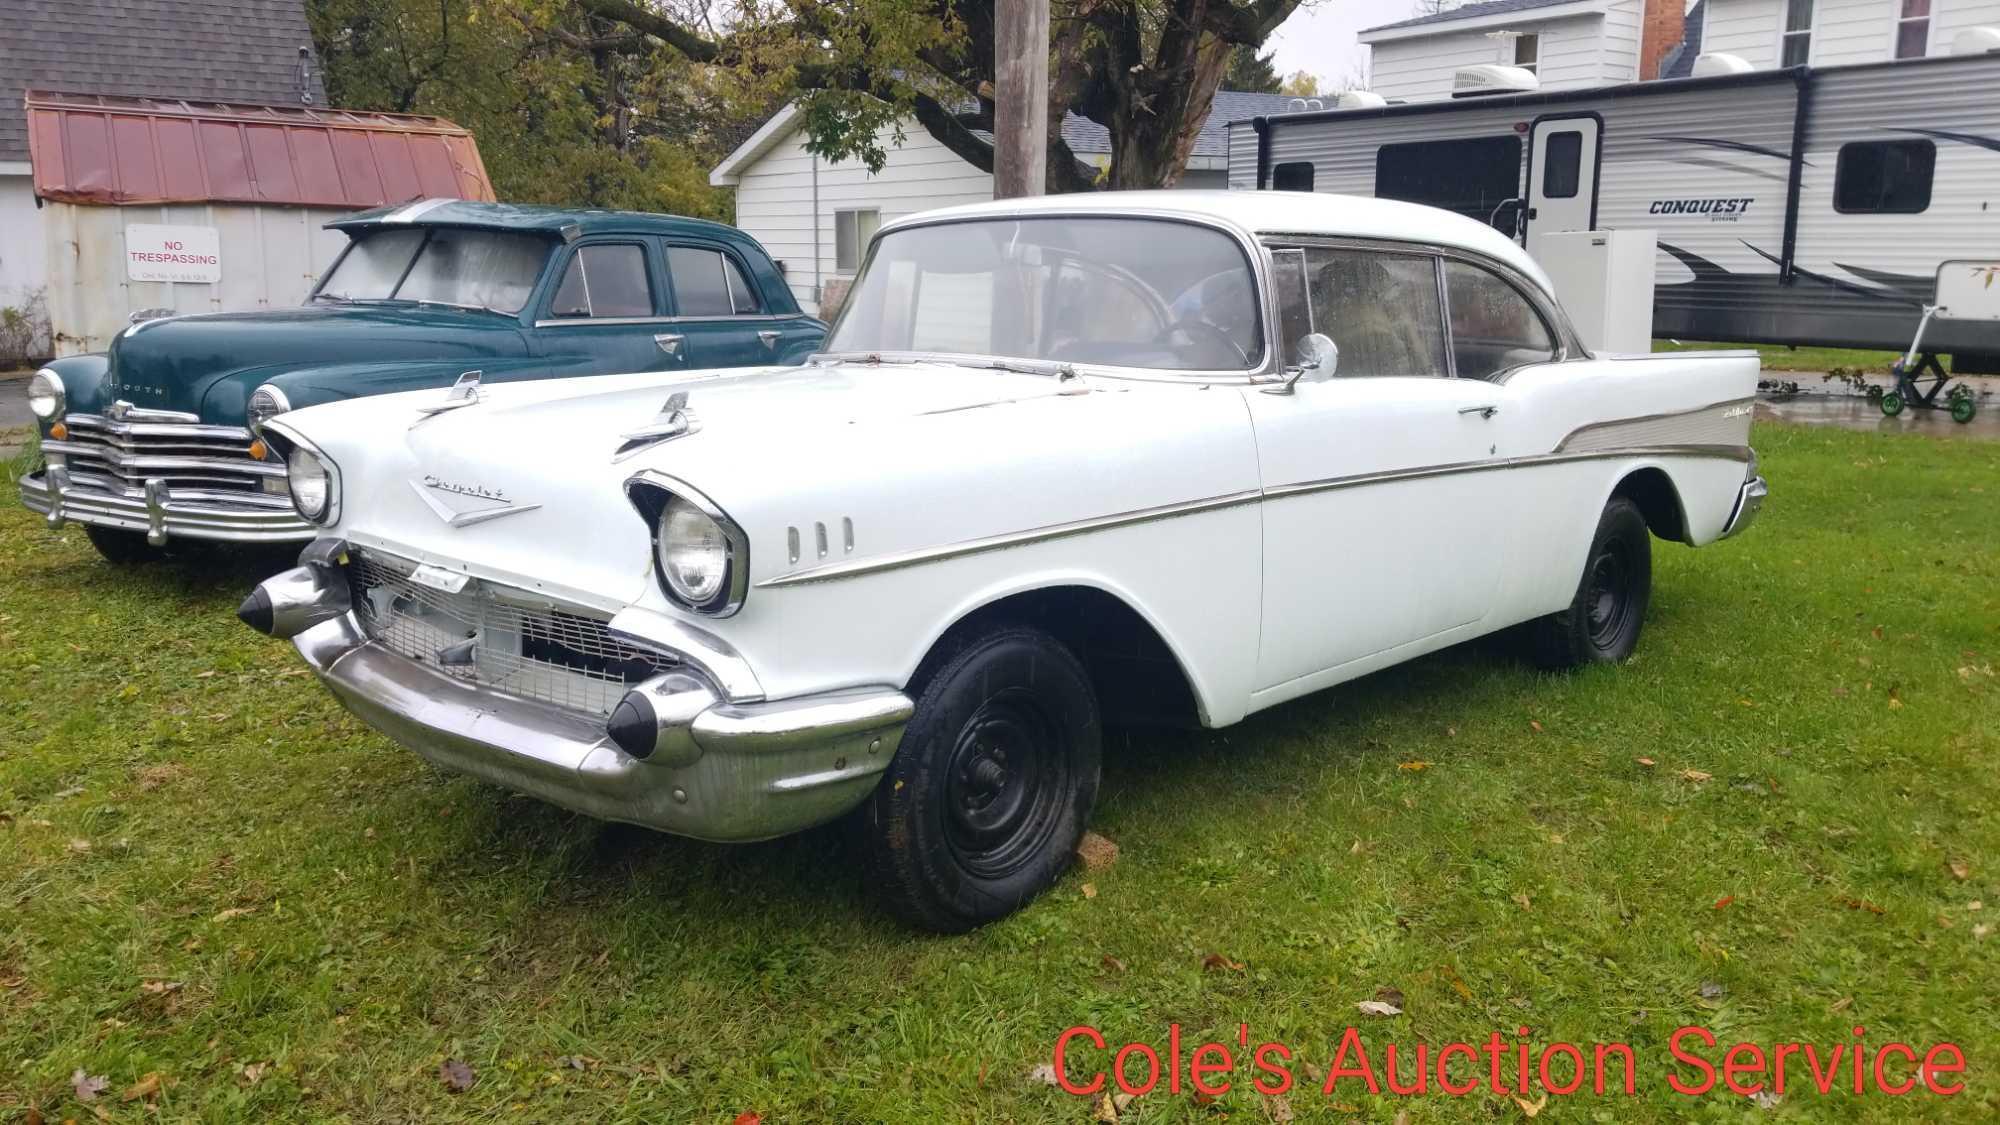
x=1319 y=358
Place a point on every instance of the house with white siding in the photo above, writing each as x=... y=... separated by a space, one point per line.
x=816 y=216
x=1573 y=44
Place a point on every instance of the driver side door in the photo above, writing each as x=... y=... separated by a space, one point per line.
x=1385 y=531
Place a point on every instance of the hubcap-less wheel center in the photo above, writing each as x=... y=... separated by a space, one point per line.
x=1003 y=786
x=1608 y=601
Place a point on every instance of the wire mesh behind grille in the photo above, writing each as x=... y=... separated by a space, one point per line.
x=558 y=656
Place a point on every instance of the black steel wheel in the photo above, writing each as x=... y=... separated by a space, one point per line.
x=1602 y=622
x=989 y=792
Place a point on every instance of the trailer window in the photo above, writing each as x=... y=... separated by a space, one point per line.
x=1294 y=176
x=1473 y=176
x=1563 y=159
x=1884 y=177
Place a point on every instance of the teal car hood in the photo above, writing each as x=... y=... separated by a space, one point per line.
x=209 y=364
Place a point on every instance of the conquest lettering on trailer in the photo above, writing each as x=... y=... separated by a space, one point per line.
x=1722 y=210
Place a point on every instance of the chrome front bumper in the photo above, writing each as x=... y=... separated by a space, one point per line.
x=164 y=514
x=741 y=770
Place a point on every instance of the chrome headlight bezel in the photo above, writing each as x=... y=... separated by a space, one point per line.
x=652 y=494
x=289 y=446
x=266 y=403
x=45 y=383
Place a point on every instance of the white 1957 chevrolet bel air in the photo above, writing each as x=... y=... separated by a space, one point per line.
x=1163 y=456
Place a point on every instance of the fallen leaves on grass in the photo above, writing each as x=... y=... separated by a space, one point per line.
x=1711 y=990
x=1696 y=776
x=1853 y=903
x=1045 y=1075
x=1277 y=1108
x=1413 y=767
x=456 y=1076
x=233 y=912
x=152 y=777
x=1535 y=726
x=1090 y=890
x=1531 y=1108
x=1960 y=870
x=748 y=1117
x=1725 y=900
x=1647 y=762
x=252 y=1073
x=88 y=1086
x=1096 y=852
x=1216 y=962
x=147 y=1087
x=1111 y=963
x=80 y=846
x=1109 y=1106
x=1387 y=1002
x=1522 y=900
x=1766 y=1099
x=1841 y=1004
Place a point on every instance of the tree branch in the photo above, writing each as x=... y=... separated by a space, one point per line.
x=644 y=19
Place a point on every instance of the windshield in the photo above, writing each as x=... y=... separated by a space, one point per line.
x=1113 y=291
x=451 y=265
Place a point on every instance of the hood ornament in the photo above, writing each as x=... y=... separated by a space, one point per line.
x=462 y=505
x=464 y=392
x=674 y=420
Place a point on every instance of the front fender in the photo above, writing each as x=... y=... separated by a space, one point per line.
x=83 y=378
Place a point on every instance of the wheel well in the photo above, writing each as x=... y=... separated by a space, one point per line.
x=1137 y=679
x=1658 y=500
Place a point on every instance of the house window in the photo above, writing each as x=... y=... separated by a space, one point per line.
x=1473 y=176
x=1913 y=29
x=1527 y=51
x=1796 y=45
x=1884 y=177
x=851 y=232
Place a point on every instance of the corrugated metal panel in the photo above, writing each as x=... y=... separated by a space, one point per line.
x=100 y=149
x=270 y=258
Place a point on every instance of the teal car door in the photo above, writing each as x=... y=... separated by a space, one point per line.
x=720 y=313
x=609 y=309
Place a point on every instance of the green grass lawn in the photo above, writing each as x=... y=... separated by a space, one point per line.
x=1781 y=357
x=1780 y=821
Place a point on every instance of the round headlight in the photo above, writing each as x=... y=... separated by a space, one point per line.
x=266 y=403
x=46 y=397
x=311 y=484
x=693 y=554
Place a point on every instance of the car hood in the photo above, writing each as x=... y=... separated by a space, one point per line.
x=209 y=364
x=764 y=443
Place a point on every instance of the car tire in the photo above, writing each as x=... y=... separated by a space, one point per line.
x=123 y=548
x=987 y=797
x=1602 y=621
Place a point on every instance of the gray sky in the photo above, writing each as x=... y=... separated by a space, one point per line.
x=1320 y=36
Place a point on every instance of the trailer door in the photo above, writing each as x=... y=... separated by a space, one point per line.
x=1562 y=176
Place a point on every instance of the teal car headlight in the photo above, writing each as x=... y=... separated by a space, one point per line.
x=46 y=395
x=266 y=403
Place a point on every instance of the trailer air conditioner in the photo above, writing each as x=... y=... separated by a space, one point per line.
x=1976 y=41
x=1358 y=99
x=1488 y=79
x=1712 y=63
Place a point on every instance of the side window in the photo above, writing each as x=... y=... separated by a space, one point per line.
x=1884 y=177
x=1294 y=176
x=1381 y=310
x=1493 y=327
x=709 y=283
x=603 y=281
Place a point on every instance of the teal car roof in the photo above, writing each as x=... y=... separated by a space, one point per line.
x=567 y=223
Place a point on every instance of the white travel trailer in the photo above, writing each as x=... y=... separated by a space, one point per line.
x=1795 y=206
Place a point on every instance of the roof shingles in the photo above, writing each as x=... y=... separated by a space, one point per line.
x=221 y=50
x=1471 y=11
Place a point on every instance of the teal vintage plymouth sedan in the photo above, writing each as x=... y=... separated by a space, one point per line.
x=157 y=439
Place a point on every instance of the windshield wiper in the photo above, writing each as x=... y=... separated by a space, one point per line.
x=1061 y=370
x=467 y=308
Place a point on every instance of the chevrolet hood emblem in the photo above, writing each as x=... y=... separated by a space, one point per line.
x=462 y=505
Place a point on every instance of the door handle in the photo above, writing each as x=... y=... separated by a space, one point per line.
x=1485 y=411
x=770 y=338
x=670 y=342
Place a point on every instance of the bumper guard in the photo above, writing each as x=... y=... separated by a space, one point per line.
x=163 y=514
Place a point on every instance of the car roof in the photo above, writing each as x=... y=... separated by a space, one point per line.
x=1270 y=213
x=567 y=223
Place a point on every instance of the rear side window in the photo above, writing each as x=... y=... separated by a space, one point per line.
x=605 y=281
x=709 y=283
x=1884 y=177
x=1380 y=309
x=1493 y=327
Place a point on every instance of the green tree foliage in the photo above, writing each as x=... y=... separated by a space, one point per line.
x=1250 y=72
x=566 y=108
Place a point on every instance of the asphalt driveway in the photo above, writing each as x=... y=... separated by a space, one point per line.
x=15 y=421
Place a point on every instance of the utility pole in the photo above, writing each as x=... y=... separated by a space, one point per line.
x=1021 y=98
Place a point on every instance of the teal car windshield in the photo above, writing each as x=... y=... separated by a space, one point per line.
x=485 y=269
x=1122 y=292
